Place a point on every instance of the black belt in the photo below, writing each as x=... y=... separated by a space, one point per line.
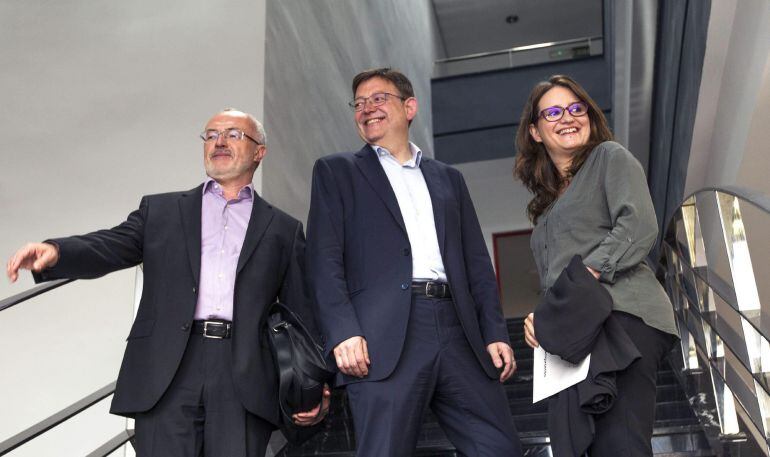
x=432 y=289
x=217 y=328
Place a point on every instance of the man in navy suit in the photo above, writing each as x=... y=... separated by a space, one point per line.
x=406 y=295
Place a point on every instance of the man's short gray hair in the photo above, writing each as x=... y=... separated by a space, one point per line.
x=261 y=135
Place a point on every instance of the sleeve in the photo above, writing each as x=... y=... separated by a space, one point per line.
x=325 y=260
x=634 y=226
x=481 y=275
x=95 y=254
x=294 y=290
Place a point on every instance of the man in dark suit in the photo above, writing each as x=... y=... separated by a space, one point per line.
x=407 y=298
x=197 y=374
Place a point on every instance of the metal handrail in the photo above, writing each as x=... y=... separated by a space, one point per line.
x=763 y=384
x=683 y=281
x=69 y=412
x=113 y=444
x=529 y=47
x=56 y=419
x=14 y=300
x=727 y=298
x=755 y=197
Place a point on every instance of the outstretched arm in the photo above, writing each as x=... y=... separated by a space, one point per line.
x=84 y=256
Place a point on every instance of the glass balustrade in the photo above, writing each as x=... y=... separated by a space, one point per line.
x=717 y=260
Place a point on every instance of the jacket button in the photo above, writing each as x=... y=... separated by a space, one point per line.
x=195 y=291
x=185 y=327
x=405 y=251
x=404 y=286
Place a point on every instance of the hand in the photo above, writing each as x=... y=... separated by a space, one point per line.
x=529 y=331
x=352 y=356
x=593 y=272
x=502 y=357
x=32 y=256
x=317 y=414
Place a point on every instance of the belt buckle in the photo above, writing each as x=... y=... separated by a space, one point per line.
x=213 y=324
x=430 y=287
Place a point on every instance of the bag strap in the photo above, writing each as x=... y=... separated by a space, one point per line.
x=290 y=316
x=283 y=354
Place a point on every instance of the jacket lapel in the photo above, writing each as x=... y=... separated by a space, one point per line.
x=261 y=215
x=190 y=209
x=438 y=197
x=369 y=164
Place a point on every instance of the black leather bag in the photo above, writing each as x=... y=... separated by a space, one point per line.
x=301 y=366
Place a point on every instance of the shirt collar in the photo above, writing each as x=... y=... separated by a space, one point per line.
x=414 y=162
x=210 y=185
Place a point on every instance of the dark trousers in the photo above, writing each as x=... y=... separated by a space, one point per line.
x=626 y=429
x=199 y=414
x=437 y=369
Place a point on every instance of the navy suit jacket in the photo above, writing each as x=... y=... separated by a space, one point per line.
x=360 y=263
x=165 y=235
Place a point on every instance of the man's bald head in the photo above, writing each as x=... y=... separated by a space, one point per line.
x=258 y=128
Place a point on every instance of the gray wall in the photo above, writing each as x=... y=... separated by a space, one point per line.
x=314 y=48
x=500 y=200
x=630 y=31
x=731 y=135
x=102 y=103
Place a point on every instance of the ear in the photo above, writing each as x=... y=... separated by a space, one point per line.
x=410 y=104
x=260 y=153
x=535 y=134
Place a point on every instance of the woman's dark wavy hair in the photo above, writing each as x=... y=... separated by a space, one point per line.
x=533 y=164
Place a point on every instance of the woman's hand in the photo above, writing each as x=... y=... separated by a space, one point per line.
x=529 y=331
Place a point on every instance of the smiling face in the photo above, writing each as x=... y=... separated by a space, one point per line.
x=388 y=123
x=232 y=161
x=565 y=136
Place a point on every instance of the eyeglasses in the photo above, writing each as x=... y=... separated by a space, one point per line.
x=554 y=113
x=229 y=135
x=377 y=99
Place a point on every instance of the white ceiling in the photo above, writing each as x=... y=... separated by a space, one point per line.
x=471 y=26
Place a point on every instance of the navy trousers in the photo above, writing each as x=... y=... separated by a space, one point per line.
x=199 y=414
x=437 y=369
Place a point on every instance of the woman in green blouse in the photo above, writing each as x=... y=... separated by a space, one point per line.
x=591 y=198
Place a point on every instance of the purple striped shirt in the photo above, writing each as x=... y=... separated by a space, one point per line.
x=223 y=229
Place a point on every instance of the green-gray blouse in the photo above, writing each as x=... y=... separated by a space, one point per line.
x=606 y=216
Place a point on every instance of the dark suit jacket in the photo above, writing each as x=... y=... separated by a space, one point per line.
x=360 y=263
x=165 y=235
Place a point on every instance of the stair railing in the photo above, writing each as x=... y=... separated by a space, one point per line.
x=717 y=268
x=36 y=430
x=276 y=446
x=519 y=56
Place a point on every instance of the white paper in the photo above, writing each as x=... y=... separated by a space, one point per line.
x=552 y=374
